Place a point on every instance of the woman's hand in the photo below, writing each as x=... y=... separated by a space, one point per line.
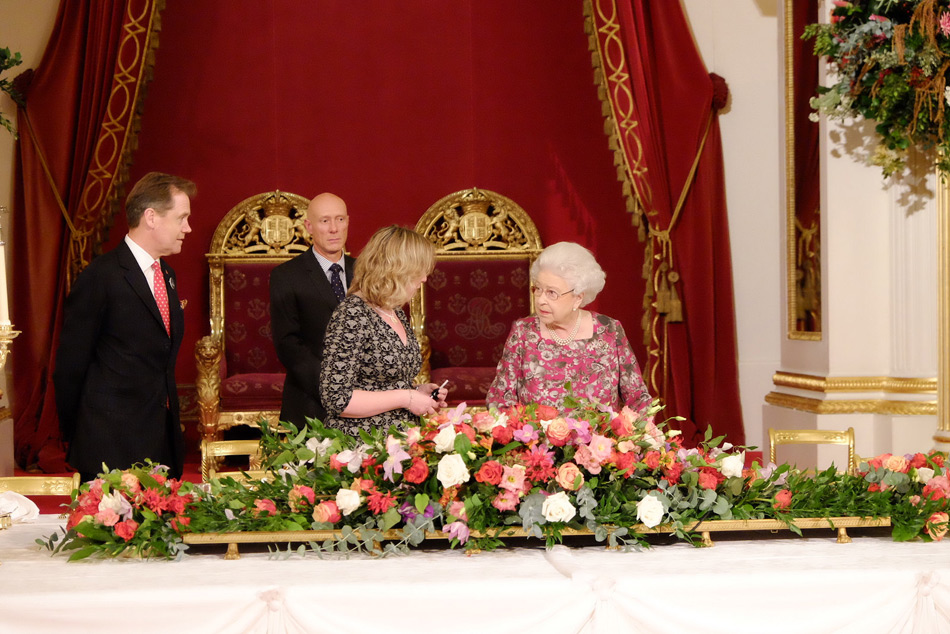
x=420 y=402
x=440 y=393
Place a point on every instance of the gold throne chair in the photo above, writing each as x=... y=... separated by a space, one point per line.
x=485 y=244
x=240 y=379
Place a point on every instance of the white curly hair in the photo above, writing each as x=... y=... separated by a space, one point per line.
x=576 y=265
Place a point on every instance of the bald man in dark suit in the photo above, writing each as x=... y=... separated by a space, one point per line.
x=304 y=291
x=115 y=365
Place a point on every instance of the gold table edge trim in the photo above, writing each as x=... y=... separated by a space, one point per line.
x=263 y=537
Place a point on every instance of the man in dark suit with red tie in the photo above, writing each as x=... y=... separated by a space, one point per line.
x=123 y=324
x=303 y=293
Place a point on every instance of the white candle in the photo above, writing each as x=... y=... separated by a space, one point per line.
x=4 y=299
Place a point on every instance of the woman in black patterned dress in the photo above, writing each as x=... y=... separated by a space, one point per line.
x=370 y=356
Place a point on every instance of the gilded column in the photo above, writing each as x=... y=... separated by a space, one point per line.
x=942 y=435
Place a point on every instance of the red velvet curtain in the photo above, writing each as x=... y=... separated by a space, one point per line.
x=666 y=134
x=76 y=132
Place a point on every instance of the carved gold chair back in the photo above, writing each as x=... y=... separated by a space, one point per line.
x=814 y=437
x=40 y=485
x=212 y=451
x=240 y=379
x=485 y=244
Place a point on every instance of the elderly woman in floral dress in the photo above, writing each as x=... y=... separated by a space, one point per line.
x=563 y=343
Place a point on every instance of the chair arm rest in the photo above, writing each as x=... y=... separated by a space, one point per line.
x=209 y=356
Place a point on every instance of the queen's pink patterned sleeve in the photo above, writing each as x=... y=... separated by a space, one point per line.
x=633 y=390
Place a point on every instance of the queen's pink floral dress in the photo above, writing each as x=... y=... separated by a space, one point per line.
x=603 y=369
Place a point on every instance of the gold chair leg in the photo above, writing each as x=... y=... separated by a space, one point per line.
x=843 y=537
x=232 y=552
x=707 y=540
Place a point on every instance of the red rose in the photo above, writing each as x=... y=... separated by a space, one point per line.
x=545 y=412
x=874 y=488
x=625 y=461
x=937 y=459
x=673 y=472
x=622 y=427
x=126 y=530
x=918 y=460
x=502 y=434
x=418 y=472
x=707 y=480
x=466 y=429
x=490 y=473
x=782 y=499
x=933 y=492
x=652 y=460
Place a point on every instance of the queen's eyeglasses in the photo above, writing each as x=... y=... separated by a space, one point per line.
x=549 y=293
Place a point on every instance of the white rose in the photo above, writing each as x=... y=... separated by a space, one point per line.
x=649 y=511
x=445 y=439
x=924 y=474
x=732 y=466
x=558 y=508
x=452 y=470
x=348 y=500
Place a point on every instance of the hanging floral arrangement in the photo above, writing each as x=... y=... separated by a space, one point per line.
x=891 y=59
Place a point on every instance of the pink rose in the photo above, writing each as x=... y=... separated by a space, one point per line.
x=897 y=463
x=326 y=511
x=265 y=506
x=567 y=476
x=483 y=421
x=130 y=482
x=782 y=499
x=559 y=432
x=298 y=495
x=621 y=426
x=937 y=525
x=107 y=517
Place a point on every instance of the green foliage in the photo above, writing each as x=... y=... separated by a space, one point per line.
x=891 y=62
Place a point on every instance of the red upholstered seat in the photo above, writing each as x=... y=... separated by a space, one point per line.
x=485 y=244
x=240 y=379
x=470 y=306
x=253 y=376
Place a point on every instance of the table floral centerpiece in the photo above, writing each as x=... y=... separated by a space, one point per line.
x=476 y=477
x=138 y=512
x=890 y=62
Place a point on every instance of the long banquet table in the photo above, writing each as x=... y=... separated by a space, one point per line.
x=748 y=584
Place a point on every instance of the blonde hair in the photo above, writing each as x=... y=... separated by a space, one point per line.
x=390 y=262
x=575 y=265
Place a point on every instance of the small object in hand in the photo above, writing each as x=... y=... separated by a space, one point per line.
x=435 y=392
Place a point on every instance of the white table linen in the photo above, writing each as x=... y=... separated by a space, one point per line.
x=792 y=585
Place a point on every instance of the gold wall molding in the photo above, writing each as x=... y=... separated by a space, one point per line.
x=889 y=384
x=852 y=406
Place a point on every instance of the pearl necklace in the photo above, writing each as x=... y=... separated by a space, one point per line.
x=559 y=340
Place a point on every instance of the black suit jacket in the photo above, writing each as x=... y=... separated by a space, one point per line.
x=301 y=302
x=115 y=368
